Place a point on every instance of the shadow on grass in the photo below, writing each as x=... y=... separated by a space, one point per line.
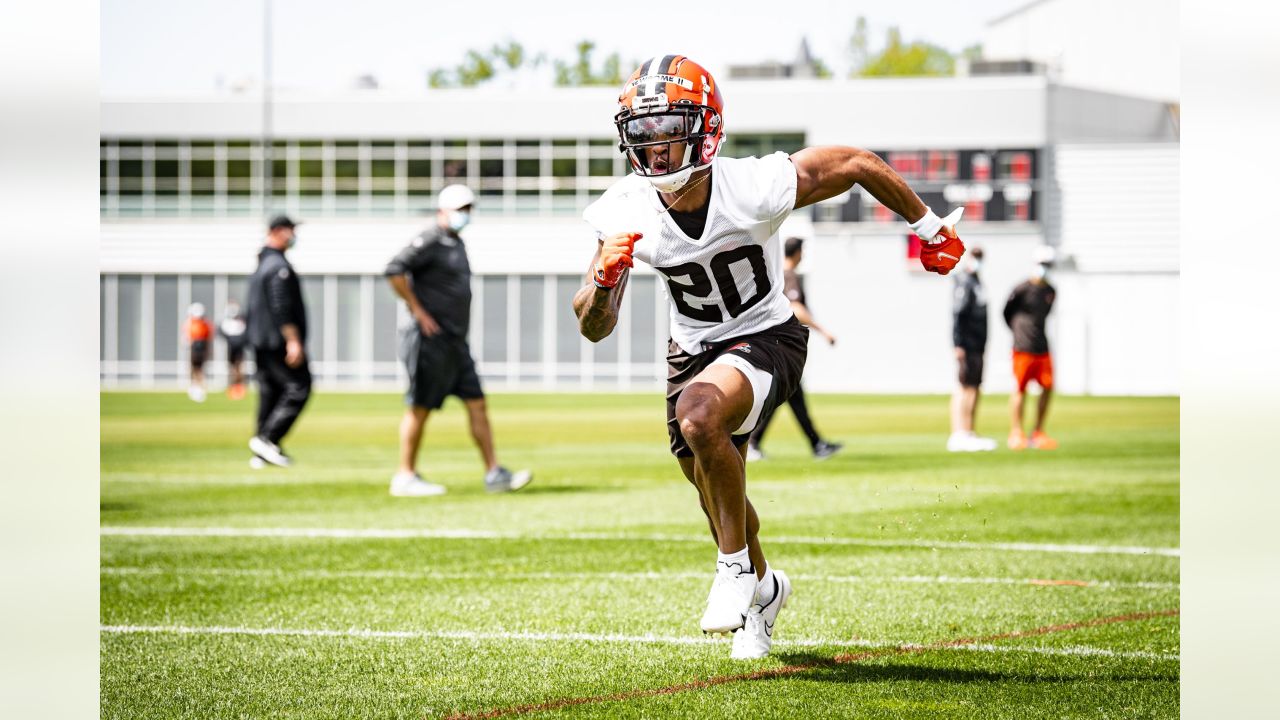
x=882 y=668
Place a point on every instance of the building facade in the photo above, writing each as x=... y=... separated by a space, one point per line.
x=183 y=204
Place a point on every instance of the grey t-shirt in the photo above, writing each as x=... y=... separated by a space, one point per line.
x=440 y=275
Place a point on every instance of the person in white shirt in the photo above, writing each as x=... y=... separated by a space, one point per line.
x=709 y=226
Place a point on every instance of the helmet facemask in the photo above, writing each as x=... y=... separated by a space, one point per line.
x=667 y=145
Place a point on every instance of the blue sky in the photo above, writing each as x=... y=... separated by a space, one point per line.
x=166 y=48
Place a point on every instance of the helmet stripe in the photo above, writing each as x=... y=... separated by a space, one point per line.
x=664 y=68
x=644 y=71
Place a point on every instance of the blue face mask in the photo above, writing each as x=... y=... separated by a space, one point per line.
x=458 y=219
x=293 y=240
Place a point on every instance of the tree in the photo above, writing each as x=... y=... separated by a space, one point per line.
x=898 y=58
x=478 y=67
x=579 y=72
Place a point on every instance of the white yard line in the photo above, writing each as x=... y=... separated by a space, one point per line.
x=359 y=633
x=465 y=534
x=637 y=576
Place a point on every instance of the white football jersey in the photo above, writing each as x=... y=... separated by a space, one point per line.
x=727 y=283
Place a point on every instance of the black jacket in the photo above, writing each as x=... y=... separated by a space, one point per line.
x=969 y=313
x=275 y=299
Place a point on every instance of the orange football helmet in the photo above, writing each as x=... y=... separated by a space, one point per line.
x=670 y=120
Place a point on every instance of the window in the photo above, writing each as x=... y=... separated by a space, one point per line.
x=1014 y=165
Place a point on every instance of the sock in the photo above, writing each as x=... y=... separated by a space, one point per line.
x=740 y=558
x=765 y=589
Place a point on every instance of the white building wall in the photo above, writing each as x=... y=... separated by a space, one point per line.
x=1123 y=46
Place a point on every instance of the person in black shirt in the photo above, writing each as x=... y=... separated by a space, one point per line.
x=277 y=332
x=793 y=288
x=1027 y=313
x=969 y=338
x=433 y=277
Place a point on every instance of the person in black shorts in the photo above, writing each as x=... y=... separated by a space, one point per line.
x=277 y=327
x=793 y=289
x=709 y=227
x=969 y=338
x=433 y=277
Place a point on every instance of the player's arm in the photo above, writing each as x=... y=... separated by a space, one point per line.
x=826 y=171
x=597 y=303
x=806 y=318
x=397 y=274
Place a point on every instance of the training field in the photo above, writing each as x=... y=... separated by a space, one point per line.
x=927 y=584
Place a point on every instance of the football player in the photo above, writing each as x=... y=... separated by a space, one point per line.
x=709 y=226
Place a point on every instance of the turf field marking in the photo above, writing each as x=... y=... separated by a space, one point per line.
x=357 y=633
x=465 y=534
x=638 y=576
x=788 y=670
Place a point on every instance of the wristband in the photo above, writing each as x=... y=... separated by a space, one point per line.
x=927 y=227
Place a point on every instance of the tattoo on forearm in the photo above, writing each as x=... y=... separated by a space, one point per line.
x=596 y=310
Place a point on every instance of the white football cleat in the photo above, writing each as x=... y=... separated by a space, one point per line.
x=269 y=451
x=405 y=484
x=196 y=393
x=500 y=479
x=730 y=598
x=755 y=638
x=969 y=442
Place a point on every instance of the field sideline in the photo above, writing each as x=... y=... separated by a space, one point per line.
x=928 y=584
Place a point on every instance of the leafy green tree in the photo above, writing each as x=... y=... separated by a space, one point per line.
x=580 y=72
x=899 y=59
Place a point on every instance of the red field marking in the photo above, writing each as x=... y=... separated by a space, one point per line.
x=795 y=669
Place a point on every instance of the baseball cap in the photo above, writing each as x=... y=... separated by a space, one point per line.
x=281 y=221
x=453 y=197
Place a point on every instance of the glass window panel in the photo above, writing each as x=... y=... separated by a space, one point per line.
x=568 y=340
x=494 y=323
x=201 y=292
x=643 y=321
x=601 y=167
x=531 y=318
x=346 y=175
x=350 y=329
x=313 y=296
x=528 y=168
x=455 y=170
x=385 y=307
x=129 y=318
x=130 y=173
x=169 y=317
x=606 y=351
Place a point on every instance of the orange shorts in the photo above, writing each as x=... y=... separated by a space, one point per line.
x=1029 y=366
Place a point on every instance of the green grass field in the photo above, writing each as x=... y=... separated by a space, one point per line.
x=927 y=584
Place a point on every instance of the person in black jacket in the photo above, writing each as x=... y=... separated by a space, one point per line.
x=277 y=321
x=969 y=338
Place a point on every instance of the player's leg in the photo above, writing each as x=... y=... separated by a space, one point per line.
x=481 y=431
x=295 y=391
x=412 y=425
x=1017 y=400
x=708 y=411
x=753 y=451
x=271 y=388
x=420 y=399
x=1042 y=408
x=1044 y=378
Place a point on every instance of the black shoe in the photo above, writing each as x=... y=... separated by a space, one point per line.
x=824 y=449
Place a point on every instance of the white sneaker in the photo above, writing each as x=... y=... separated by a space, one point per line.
x=969 y=442
x=755 y=638
x=405 y=484
x=269 y=451
x=500 y=479
x=754 y=454
x=196 y=393
x=730 y=598
x=257 y=463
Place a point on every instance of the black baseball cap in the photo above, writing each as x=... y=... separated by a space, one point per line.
x=282 y=221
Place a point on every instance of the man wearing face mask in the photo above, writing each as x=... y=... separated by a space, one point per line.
x=969 y=338
x=433 y=277
x=277 y=330
x=1026 y=313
